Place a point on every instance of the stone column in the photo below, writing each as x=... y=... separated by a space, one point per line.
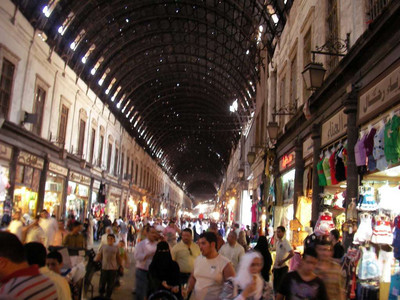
x=317 y=189
x=298 y=177
x=42 y=184
x=350 y=105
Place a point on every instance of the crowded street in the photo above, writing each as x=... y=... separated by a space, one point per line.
x=200 y=149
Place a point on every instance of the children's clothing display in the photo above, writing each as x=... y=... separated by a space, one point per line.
x=327 y=170
x=379 y=150
x=385 y=261
x=359 y=152
x=324 y=224
x=332 y=169
x=368 y=266
x=321 y=174
x=382 y=232
x=392 y=139
x=396 y=238
x=340 y=173
x=367 y=199
x=364 y=232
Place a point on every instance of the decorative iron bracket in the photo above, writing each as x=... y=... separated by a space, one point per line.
x=333 y=47
x=286 y=110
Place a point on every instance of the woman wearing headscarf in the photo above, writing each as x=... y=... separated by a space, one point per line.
x=164 y=272
x=242 y=240
x=263 y=249
x=248 y=283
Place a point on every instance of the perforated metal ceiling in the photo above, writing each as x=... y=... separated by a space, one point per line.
x=169 y=70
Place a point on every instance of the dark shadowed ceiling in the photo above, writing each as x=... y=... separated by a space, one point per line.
x=169 y=71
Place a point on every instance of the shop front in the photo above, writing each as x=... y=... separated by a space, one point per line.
x=377 y=208
x=27 y=179
x=5 y=203
x=77 y=196
x=133 y=203
x=98 y=203
x=113 y=202
x=283 y=211
x=54 y=189
x=332 y=175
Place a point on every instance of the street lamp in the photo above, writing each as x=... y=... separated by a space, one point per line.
x=313 y=75
x=273 y=129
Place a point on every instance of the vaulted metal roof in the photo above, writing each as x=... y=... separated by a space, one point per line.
x=169 y=70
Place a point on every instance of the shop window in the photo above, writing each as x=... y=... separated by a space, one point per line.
x=77 y=199
x=6 y=83
x=109 y=157
x=53 y=194
x=92 y=142
x=127 y=165
x=136 y=174
x=81 y=138
x=306 y=60
x=116 y=161
x=62 y=128
x=293 y=81
x=333 y=31
x=100 y=153
x=26 y=189
x=38 y=107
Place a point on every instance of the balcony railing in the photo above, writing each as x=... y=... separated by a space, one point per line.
x=375 y=8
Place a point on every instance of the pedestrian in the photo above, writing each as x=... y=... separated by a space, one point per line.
x=185 y=253
x=18 y=280
x=49 y=226
x=123 y=255
x=16 y=225
x=303 y=283
x=329 y=271
x=263 y=248
x=164 y=272
x=338 y=249
x=110 y=262
x=232 y=250
x=35 y=233
x=60 y=234
x=144 y=253
x=248 y=283
x=36 y=255
x=170 y=233
x=214 y=228
x=210 y=272
x=284 y=253
x=54 y=261
x=75 y=239
x=242 y=240
x=123 y=230
x=131 y=238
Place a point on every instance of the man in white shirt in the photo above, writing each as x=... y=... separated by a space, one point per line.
x=210 y=272
x=284 y=253
x=36 y=255
x=232 y=250
x=144 y=253
x=16 y=225
x=49 y=226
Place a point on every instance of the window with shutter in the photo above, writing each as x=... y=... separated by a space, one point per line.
x=6 y=83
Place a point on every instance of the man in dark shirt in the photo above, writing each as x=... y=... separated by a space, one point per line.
x=338 y=250
x=303 y=283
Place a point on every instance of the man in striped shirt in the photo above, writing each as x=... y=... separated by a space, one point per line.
x=18 y=280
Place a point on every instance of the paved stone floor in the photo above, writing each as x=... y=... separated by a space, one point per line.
x=127 y=282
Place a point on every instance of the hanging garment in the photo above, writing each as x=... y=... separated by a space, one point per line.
x=359 y=152
x=339 y=166
x=391 y=139
x=396 y=239
x=386 y=195
x=338 y=200
x=382 y=232
x=368 y=266
x=369 y=147
x=367 y=199
x=324 y=224
x=385 y=260
x=321 y=174
x=332 y=168
x=364 y=232
x=327 y=170
x=352 y=211
x=379 y=150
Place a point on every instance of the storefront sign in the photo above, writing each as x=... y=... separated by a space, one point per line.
x=5 y=152
x=286 y=161
x=114 y=191
x=334 y=128
x=58 y=169
x=96 y=185
x=308 y=147
x=31 y=160
x=380 y=95
x=79 y=178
